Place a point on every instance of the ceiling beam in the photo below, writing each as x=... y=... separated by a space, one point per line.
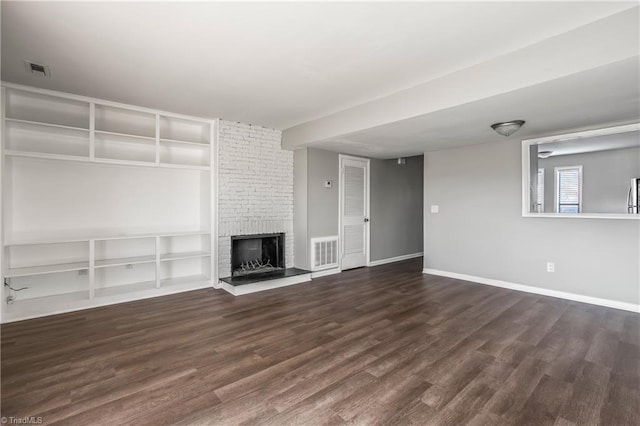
x=602 y=42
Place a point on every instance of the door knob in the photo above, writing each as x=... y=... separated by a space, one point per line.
x=366 y=219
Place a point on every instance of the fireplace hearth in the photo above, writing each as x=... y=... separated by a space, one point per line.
x=258 y=263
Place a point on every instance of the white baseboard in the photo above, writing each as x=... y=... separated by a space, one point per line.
x=264 y=285
x=537 y=290
x=324 y=273
x=395 y=259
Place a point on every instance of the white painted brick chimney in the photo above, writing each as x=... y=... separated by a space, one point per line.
x=255 y=187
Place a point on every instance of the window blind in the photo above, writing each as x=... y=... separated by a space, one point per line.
x=569 y=183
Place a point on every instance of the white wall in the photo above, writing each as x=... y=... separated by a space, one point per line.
x=479 y=230
x=55 y=199
x=255 y=187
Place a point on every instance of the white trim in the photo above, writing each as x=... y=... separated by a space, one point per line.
x=264 y=285
x=544 y=194
x=3 y=193
x=584 y=215
x=367 y=213
x=325 y=272
x=537 y=290
x=526 y=192
x=215 y=214
x=395 y=259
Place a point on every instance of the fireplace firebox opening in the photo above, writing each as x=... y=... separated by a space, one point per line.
x=255 y=254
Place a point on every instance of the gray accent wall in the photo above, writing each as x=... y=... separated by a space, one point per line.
x=396 y=204
x=396 y=207
x=315 y=208
x=480 y=231
x=323 y=202
x=606 y=178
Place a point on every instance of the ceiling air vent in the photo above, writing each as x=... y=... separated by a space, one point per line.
x=37 y=69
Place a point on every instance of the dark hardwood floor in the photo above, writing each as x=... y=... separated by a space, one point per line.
x=384 y=345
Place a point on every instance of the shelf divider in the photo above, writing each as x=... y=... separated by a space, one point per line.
x=186 y=255
x=45 y=269
x=92 y=269
x=158 y=261
x=41 y=123
x=106 y=263
x=158 y=139
x=92 y=131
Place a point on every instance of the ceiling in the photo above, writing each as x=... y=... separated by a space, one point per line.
x=282 y=65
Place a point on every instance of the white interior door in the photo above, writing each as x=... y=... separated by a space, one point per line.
x=354 y=211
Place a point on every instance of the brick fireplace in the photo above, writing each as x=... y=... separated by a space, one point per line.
x=255 y=188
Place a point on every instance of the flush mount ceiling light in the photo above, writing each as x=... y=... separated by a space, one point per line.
x=544 y=154
x=508 y=127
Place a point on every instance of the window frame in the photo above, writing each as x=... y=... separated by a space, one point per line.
x=556 y=195
x=540 y=204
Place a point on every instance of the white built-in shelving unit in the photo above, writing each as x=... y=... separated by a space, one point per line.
x=102 y=202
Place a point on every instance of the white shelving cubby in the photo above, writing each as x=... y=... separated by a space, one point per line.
x=102 y=202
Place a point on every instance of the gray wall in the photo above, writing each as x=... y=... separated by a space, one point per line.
x=480 y=230
x=396 y=204
x=606 y=177
x=315 y=208
x=396 y=207
x=323 y=202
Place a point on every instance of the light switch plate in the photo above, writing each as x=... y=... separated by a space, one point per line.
x=435 y=209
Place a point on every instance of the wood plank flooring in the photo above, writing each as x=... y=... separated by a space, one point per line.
x=384 y=345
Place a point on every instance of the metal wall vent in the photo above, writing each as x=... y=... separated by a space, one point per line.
x=37 y=69
x=324 y=253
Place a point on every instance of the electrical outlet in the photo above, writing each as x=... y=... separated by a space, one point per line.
x=129 y=266
x=551 y=267
x=83 y=272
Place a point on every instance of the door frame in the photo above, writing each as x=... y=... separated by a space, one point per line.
x=367 y=205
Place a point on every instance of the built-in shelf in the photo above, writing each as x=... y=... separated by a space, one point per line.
x=186 y=255
x=180 y=143
x=36 y=307
x=45 y=269
x=63 y=157
x=125 y=162
x=169 y=282
x=28 y=241
x=124 y=261
x=45 y=156
x=73 y=215
x=183 y=166
x=124 y=289
x=39 y=123
x=126 y=135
